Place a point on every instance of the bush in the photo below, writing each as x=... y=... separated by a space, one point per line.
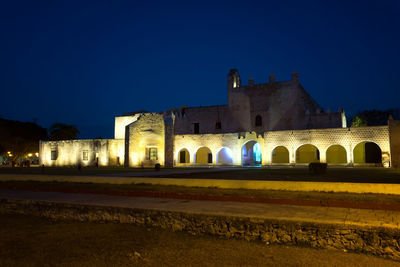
x=317 y=168
x=157 y=167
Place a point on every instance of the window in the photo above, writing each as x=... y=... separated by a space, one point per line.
x=85 y=155
x=258 y=120
x=153 y=153
x=218 y=125
x=196 y=128
x=54 y=155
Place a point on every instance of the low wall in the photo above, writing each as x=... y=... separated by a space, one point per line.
x=378 y=241
x=374 y=188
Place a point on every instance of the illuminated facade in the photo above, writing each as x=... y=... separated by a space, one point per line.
x=276 y=123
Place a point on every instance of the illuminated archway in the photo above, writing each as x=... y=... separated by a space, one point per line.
x=280 y=154
x=367 y=152
x=336 y=154
x=203 y=156
x=183 y=156
x=307 y=153
x=224 y=156
x=251 y=154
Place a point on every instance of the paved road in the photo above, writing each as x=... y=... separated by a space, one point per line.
x=343 y=216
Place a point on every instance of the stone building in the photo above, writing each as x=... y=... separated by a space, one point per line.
x=263 y=124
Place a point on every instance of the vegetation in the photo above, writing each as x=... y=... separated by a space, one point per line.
x=126 y=189
x=19 y=138
x=61 y=131
x=356 y=175
x=35 y=241
x=374 y=117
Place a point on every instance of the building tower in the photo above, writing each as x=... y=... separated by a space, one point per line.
x=233 y=83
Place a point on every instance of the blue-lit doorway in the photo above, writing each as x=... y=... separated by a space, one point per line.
x=251 y=154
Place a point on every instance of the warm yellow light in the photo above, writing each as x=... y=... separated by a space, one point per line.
x=30 y=155
x=9 y=152
x=37 y=154
x=386 y=164
x=10 y=155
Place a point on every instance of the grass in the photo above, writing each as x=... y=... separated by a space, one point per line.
x=56 y=186
x=337 y=174
x=84 y=170
x=357 y=175
x=35 y=241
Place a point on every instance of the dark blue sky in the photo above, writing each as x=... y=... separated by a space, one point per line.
x=83 y=62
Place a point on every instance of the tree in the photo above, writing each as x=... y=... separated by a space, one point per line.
x=20 y=138
x=61 y=131
x=374 y=117
x=358 y=121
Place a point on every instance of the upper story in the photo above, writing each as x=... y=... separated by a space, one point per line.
x=272 y=106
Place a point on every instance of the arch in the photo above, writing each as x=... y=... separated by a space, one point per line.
x=336 y=154
x=307 y=153
x=183 y=156
x=203 y=155
x=367 y=152
x=280 y=154
x=224 y=156
x=251 y=154
x=258 y=120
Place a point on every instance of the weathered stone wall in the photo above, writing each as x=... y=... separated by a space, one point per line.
x=215 y=142
x=378 y=241
x=394 y=131
x=169 y=119
x=148 y=131
x=348 y=138
x=324 y=138
x=116 y=150
x=71 y=152
x=120 y=124
x=207 y=117
x=282 y=106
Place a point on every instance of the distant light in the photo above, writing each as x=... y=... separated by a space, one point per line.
x=37 y=154
x=30 y=155
x=386 y=164
x=9 y=152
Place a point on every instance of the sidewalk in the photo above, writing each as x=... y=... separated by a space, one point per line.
x=324 y=215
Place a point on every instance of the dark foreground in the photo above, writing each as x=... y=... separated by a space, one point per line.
x=300 y=173
x=35 y=241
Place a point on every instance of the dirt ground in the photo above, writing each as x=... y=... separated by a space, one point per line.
x=300 y=173
x=35 y=241
x=201 y=192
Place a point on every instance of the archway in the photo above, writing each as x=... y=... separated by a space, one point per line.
x=224 y=156
x=251 y=154
x=307 y=153
x=183 y=156
x=203 y=156
x=280 y=154
x=367 y=152
x=336 y=154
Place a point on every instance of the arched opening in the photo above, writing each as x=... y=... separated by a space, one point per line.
x=336 y=154
x=367 y=152
x=203 y=156
x=280 y=155
x=224 y=156
x=183 y=156
x=258 y=120
x=251 y=154
x=307 y=154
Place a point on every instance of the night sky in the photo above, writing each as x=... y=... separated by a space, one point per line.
x=83 y=63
